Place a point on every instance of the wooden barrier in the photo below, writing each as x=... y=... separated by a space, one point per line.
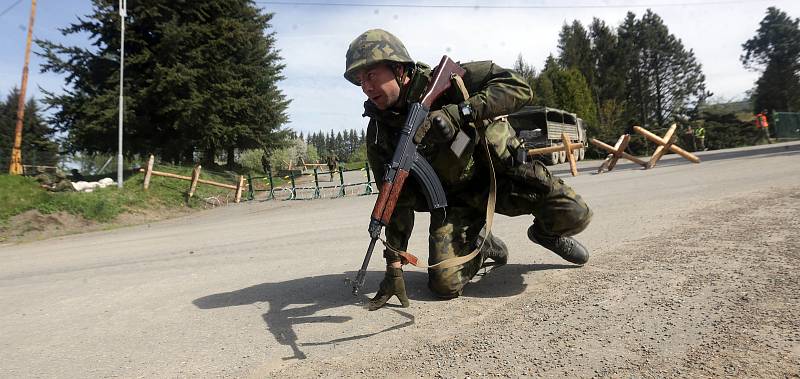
x=194 y=179
x=616 y=152
x=667 y=143
x=566 y=146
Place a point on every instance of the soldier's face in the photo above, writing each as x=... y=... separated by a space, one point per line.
x=380 y=86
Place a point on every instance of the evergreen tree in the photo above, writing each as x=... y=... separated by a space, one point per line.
x=528 y=73
x=575 y=50
x=572 y=94
x=609 y=85
x=200 y=76
x=665 y=79
x=38 y=144
x=544 y=91
x=775 y=51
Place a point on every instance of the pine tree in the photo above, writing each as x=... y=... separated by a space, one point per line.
x=38 y=142
x=200 y=76
x=528 y=73
x=665 y=79
x=609 y=85
x=775 y=52
x=575 y=50
x=572 y=94
x=544 y=92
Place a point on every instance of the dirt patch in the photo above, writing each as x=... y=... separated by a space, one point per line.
x=33 y=225
x=717 y=296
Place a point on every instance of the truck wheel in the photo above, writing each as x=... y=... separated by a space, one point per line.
x=581 y=153
x=551 y=158
x=562 y=156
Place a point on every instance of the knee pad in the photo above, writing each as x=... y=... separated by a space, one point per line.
x=444 y=284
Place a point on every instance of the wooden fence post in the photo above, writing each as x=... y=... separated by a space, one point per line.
x=239 y=188
x=195 y=178
x=148 y=172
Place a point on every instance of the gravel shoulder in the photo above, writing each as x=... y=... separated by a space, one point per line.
x=715 y=296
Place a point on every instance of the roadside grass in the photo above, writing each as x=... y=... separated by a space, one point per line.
x=19 y=194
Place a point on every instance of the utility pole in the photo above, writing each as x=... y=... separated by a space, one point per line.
x=15 y=167
x=123 y=12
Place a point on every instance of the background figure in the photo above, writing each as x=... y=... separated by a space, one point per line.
x=265 y=163
x=333 y=164
x=700 y=136
x=763 y=128
x=688 y=137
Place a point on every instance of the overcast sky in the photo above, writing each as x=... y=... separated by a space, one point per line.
x=313 y=40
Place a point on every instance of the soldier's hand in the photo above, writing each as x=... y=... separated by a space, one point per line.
x=392 y=285
x=439 y=127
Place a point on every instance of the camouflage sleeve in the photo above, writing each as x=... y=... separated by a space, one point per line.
x=494 y=91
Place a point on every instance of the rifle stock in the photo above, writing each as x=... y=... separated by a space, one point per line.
x=406 y=160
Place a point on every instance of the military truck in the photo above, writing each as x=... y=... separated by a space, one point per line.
x=539 y=126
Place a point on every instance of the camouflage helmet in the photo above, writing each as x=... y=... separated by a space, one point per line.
x=373 y=46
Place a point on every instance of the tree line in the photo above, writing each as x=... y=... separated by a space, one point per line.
x=201 y=84
x=635 y=74
x=344 y=145
x=639 y=73
x=200 y=80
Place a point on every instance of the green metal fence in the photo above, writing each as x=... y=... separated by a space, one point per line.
x=785 y=125
x=314 y=191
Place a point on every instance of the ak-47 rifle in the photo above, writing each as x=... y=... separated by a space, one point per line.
x=406 y=160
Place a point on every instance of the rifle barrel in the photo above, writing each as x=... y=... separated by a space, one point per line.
x=362 y=273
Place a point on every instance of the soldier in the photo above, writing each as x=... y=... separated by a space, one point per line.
x=700 y=135
x=763 y=127
x=43 y=178
x=332 y=161
x=62 y=184
x=378 y=62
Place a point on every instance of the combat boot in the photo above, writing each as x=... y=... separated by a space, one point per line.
x=495 y=249
x=566 y=247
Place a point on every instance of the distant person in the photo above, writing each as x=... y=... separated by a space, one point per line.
x=265 y=164
x=700 y=136
x=763 y=127
x=61 y=183
x=688 y=137
x=333 y=164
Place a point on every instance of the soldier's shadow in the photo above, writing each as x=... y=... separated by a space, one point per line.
x=298 y=301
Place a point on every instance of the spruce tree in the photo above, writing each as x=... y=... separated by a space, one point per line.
x=665 y=80
x=575 y=50
x=38 y=141
x=775 y=52
x=200 y=77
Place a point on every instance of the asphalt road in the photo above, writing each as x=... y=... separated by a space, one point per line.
x=258 y=288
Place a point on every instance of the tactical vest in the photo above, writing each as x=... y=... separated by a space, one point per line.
x=455 y=171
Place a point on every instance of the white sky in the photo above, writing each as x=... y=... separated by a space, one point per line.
x=313 y=41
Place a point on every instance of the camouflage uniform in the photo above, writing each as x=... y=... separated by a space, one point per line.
x=494 y=92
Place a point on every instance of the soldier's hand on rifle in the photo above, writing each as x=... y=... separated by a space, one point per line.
x=392 y=285
x=440 y=126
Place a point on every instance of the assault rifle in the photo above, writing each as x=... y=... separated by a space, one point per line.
x=406 y=160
